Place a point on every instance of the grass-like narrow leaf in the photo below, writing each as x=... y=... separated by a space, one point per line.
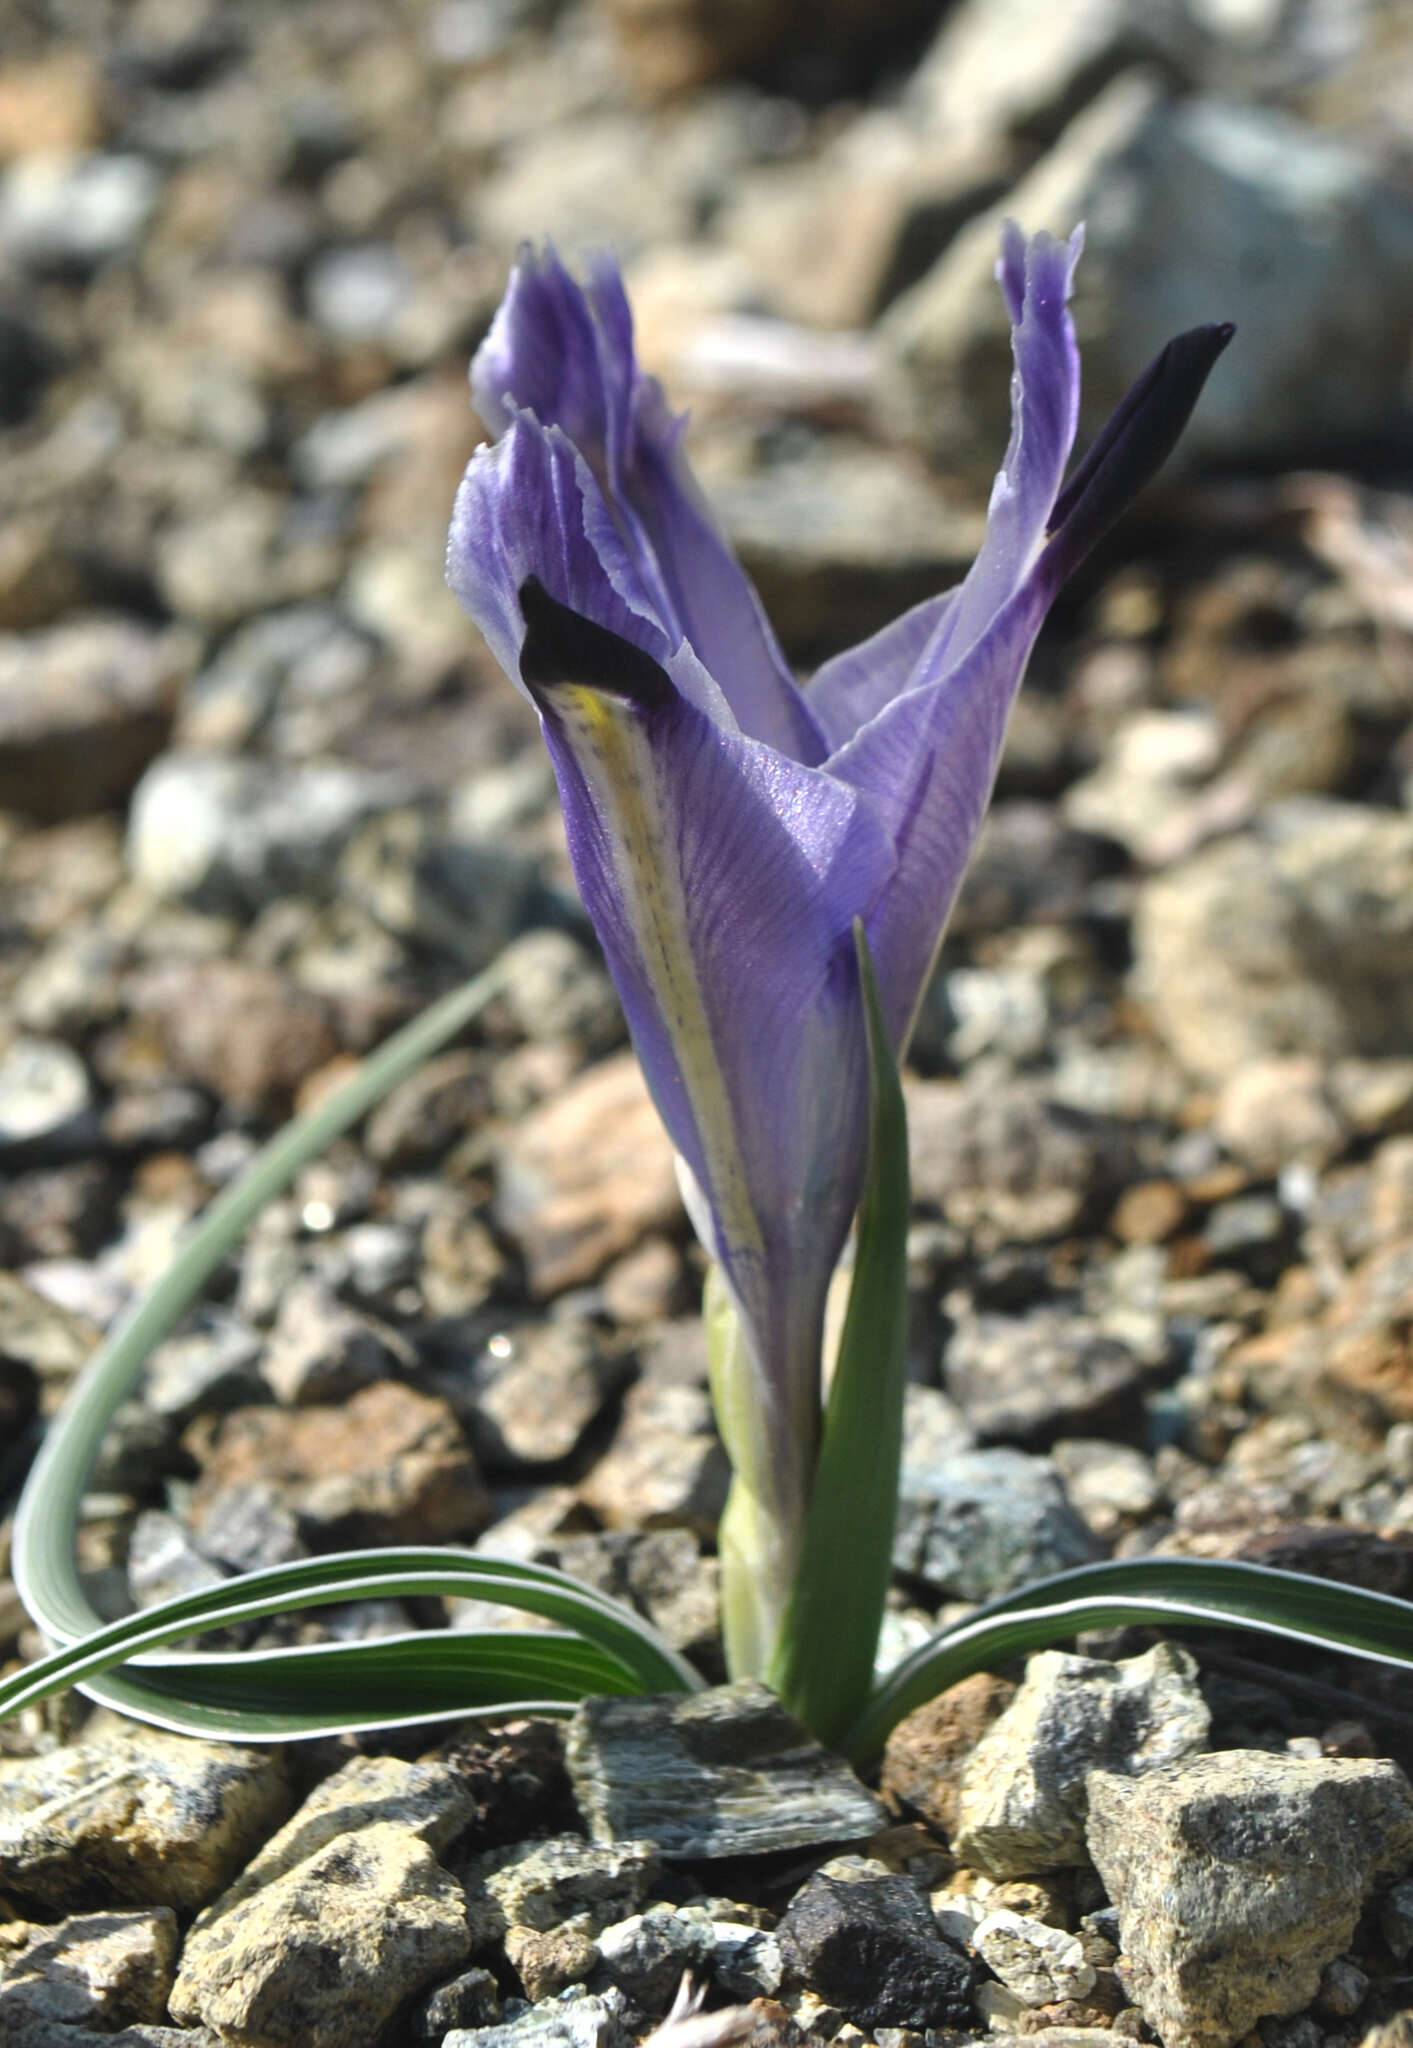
x=601 y=1646
x=43 y=1564
x=1157 y=1592
x=823 y=1663
x=333 y=1687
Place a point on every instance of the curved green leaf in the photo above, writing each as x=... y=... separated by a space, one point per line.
x=1151 y=1591
x=42 y=1551
x=322 y=1687
x=336 y=1687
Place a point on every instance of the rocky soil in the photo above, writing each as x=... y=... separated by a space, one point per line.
x=263 y=795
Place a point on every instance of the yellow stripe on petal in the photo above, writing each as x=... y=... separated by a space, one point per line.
x=617 y=763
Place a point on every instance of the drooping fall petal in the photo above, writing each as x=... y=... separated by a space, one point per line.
x=723 y=880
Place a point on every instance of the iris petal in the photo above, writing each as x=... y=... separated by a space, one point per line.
x=565 y=354
x=723 y=880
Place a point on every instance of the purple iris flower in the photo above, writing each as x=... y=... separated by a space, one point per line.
x=727 y=824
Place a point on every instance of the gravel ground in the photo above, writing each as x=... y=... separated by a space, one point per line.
x=264 y=794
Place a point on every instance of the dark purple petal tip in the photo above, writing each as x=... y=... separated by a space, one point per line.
x=1134 y=443
x=562 y=646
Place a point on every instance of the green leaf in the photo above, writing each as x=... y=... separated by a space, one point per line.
x=823 y=1662
x=42 y=1555
x=327 y=1688
x=324 y=1687
x=1151 y=1591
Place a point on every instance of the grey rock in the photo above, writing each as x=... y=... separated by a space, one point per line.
x=1147 y=791
x=61 y=212
x=1028 y=1379
x=341 y=1915
x=578 y=2020
x=164 y=1560
x=358 y=293
x=464 y=900
x=46 y=1100
x=1343 y=1988
x=871 y=1947
x=59 y=1212
x=665 y=1467
x=427 y=1800
x=1277 y=1113
x=373 y=1260
x=977 y=1523
x=534 y=1391
x=34 y=1331
x=228 y=834
x=210 y=1367
x=343 y=449
x=1197 y=209
x=428 y=1112
x=146 y=1818
x=725 y=1772
x=661 y=1572
x=1239 y=1876
x=323 y=1955
x=1021 y=1800
x=272 y=663
x=246 y=1528
x=100 y=1970
x=320 y=1350
x=1029 y=867
x=245 y=553
x=541 y=1885
x=607 y=180
x=84 y=706
x=1011 y=1156
x=1040 y=1963
x=746 y=1962
x=74 y=986
x=840 y=535
x=553 y=989
x=1022 y=68
x=1295 y=938
x=470 y=2000
x=138 y=1448
x=1110 y=1484
x=647 y=1954
x=171 y=1117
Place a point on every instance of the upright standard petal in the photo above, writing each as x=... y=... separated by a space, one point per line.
x=929 y=640
x=565 y=353
x=849 y=689
x=928 y=762
x=929 y=759
x=1036 y=277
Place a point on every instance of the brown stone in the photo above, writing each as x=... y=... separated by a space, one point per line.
x=83 y=709
x=548 y=1963
x=50 y=103
x=586 y=1176
x=387 y=1466
x=923 y=1760
x=245 y=1032
x=1149 y=1212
